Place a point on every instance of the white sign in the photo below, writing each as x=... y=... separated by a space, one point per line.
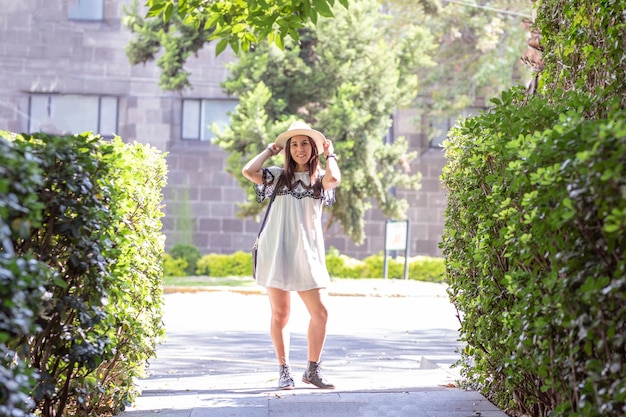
x=395 y=235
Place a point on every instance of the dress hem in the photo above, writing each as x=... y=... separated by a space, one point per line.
x=298 y=290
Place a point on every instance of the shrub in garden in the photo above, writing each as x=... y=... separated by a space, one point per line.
x=134 y=321
x=335 y=263
x=221 y=265
x=420 y=269
x=188 y=252
x=174 y=267
x=80 y=272
x=374 y=267
x=341 y=266
x=534 y=241
x=534 y=238
x=427 y=269
x=21 y=279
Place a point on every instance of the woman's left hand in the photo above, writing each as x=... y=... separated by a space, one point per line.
x=328 y=147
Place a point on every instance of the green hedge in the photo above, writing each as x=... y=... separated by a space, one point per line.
x=534 y=241
x=187 y=253
x=22 y=279
x=80 y=272
x=239 y=264
x=420 y=268
x=174 y=267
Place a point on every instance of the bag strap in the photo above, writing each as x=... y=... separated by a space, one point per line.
x=269 y=206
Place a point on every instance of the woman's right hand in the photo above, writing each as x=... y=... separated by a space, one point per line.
x=274 y=149
x=253 y=170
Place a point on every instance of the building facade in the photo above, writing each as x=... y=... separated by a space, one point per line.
x=64 y=70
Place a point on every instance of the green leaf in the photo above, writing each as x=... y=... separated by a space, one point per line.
x=156 y=8
x=278 y=38
x=234 y=44
x=245 y=44
x=323 y=8
x=59 y=282
x=183 y=8
x=167 y=13
x=567 y=203
x=239 y=27
x=212 y=20
x=294 y=34
x=221 y=46
x=611 y=227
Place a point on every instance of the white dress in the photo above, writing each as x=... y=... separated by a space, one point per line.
x=291 y=253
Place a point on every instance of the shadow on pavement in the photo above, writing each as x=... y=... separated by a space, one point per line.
x=227 y=353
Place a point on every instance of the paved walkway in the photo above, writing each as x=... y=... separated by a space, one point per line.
x=390 y=352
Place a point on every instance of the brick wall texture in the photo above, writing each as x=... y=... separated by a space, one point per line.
x=42 y=51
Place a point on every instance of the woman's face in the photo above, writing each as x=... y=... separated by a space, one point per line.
x=301 y=149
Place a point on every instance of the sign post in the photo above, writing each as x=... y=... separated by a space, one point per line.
x=397 y=238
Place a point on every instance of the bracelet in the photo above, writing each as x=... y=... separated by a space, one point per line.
x=332 y=155
x=271 y=153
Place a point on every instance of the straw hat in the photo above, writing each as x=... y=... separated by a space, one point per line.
x=301 y=128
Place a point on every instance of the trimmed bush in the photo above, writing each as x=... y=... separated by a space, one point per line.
x=189 y=253
x=534 y=242
x=219 y=265
x=534 y=238
x=341 y=266
x=22 y=280
x=174 y=267
x=427 y=269
x=239 y=264
x=134 y=313
x=80 y=272
x=419 y=268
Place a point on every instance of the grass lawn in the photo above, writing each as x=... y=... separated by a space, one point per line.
x=204 y=281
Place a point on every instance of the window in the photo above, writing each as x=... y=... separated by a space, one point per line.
x=440 y=126
x=70 y=114
x=87 y=10
x=388 y=138
x=200 y=115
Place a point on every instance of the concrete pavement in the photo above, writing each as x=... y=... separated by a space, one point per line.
x=390 y=350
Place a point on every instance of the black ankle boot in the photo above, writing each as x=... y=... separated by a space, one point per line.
x=313 y=375
x=285 y=381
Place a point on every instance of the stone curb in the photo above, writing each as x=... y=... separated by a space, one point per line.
x=351 y=288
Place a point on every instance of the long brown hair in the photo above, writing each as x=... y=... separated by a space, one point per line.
x=290 y=165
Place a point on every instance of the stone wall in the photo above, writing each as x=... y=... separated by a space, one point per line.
x=45 y=52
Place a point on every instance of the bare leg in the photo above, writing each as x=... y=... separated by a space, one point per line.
x=315 y=302
x=280 y=302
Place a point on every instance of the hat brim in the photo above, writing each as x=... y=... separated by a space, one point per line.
x=317 y=137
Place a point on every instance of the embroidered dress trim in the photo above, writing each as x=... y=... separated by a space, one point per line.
x=300 y=189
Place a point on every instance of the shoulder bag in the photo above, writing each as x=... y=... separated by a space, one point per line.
x=255 y=248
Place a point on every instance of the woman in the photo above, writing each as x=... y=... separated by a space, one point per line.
x=291 y=254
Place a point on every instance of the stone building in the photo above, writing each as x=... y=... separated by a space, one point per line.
x=63 y=69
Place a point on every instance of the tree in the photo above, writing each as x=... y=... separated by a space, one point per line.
x=182 y=27
x=242 y=24
x=478 y=46
x=179 y=41
x=344 y=78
